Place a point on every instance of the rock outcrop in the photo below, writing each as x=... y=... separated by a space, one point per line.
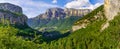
x=12 y=13
x=10 y=7
x=76 y=12
x=53 y=13
x=111 y=7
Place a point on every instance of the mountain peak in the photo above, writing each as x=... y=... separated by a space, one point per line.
x=10 y=7
x=60 y=13
x=12 y=13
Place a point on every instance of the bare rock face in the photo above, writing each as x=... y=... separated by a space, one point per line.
x=77 y=12
x=12 y=13
x=59 y=13
x=10 y=7
x=112 y=8
x=51 y=13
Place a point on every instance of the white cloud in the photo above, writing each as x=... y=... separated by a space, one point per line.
x=82 y=4
x=30 y=8
x=97 y=5
x=54 y=1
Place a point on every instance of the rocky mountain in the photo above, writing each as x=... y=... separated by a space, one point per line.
x=12 y=13
x=57 y=13
x=76 y=12
x=55 y=17
x=111 y=9
x=10 y=7
x=60 y=13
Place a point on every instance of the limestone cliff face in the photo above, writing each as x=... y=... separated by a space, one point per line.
x=111 y=7
x=12 y=13
x=63 y=13
x=76 y=12
x=51 y=13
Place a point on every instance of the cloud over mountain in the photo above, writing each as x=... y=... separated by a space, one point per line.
x=82 y=4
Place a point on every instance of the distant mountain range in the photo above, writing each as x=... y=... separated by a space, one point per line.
x=57 y=19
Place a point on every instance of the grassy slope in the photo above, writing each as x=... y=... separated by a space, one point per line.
x=62 y=25
x=91 y=37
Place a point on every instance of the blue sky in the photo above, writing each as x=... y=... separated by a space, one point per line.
x=32 y=8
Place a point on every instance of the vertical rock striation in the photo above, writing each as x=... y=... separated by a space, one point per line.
x=12 y=13
x=10 y=7
x=112 y=8
x=76 y=12
x=63 y=13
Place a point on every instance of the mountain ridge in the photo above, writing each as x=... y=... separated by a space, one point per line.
x=12 y=13
x=53 y=17
x=10 y=7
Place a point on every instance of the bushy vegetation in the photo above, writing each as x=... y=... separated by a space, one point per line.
x=16 y=36
x=9 y=40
